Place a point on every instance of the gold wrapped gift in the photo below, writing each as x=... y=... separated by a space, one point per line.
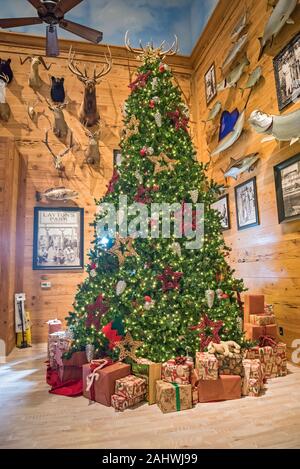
x=151 y=372
x=173 y=397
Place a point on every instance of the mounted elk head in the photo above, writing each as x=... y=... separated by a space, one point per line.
x=34 y=79
x=92 y=154
x=57 y=158
x=89 y=114
x=58 y=94
x=60 y=127
x=5 y=111
x=6 y=70
x=151 y=52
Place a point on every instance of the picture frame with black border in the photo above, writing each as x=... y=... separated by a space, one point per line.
x=58 y=238
x=287 y=185
x=246 y=204
x=222 y=205
x=210 y=83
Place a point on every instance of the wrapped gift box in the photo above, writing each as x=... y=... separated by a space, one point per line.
x=226 y=387
x=151 y=372
x=253 y=304
x=207 y=365
x=253 y=332
x=273 y=359
x=122 y=403
x=231 y=365
x=71 y=368
x=253 y=381
x=177 y=370
x=104 y=387
x=172 y=397
x=58 y=344
x=54 y=325
x=131 y=386
x=262 y=319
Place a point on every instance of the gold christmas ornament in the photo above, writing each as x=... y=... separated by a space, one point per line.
x=128 y=347
x=123 y=248
x=132 y=128
x=162 y=163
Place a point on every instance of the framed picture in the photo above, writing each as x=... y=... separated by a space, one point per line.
x=210 y=84
x=287 y=73
x=58 y=238
x=117 y=158
x=222 y=206
x=287 y=181
x=246 y=204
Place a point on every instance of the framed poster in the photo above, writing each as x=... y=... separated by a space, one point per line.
x=287 y=73
x=117 y=158
x=222 y=206
x=287 y=182
x=58 y=238
x=246 y=204
x=210 y=84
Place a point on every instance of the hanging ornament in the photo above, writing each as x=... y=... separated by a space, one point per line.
x=123 y=248
x=152 y=104
x=219 y=293
x=240 y=325
x=149 y=303
x=210 y=297
x=154 y=83
x=162 y=163
x=158 y=119
x=208 y=331
x=176 y=248
x=93 y=273
x=163 y=67
x=120 y=288
x=139 y=177
x=170 y=279
x=194 y=195
x=150 y=151
x=89 y=351
x=143 y=151
x=128 y=348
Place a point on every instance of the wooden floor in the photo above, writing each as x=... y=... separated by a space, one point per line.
x=32 y=418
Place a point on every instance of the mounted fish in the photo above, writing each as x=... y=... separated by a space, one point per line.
x=240 y=166
x=279 y=17
x=58 y=94
x=5 y=69
x=232 y=137
x=34 y=80
x=233 y=77
x=282 y=128
x=253 y=79
x=227 y=122
x=5 y=111
x=215 y=110
x=60 y=127
x=234 y=51
x=56 y=194
x=92 y=154
x=240 y=26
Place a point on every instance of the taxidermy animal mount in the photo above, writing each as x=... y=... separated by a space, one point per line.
x=232 y=137
x=5 y=69
x=92 y=154
x=34 y=79
x=89 y=115
x=241 y=165
x=57 y=158
x=58 y=94
x=284 y=128
x=4 y=106
x=60 y=127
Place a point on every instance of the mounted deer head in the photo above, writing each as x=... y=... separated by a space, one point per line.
x=89 y=115
x=57 y=159
x=57 y=90
x=92 y=154
x=34 y=79
x=150 y=52
x=60 y=127
x=33 y=115
x=5 y=111
x=5 y=69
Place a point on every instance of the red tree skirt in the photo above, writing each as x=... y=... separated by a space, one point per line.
x=68 y=388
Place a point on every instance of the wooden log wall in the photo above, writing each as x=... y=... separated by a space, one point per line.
x=267 y=256
x=40 y=173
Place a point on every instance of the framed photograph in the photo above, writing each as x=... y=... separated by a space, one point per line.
x=222 y=206
x=246 y=204
x=117 y=158
x=58 y=238
x=287 y=73
x=287 y=182
x=210 y=84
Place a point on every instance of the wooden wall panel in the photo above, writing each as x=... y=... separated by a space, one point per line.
x=40 y=173
x=267 y=256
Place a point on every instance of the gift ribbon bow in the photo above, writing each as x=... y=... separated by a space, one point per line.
x=177 y=396
x=180 y=360
x=267 y=341
x=95 y=366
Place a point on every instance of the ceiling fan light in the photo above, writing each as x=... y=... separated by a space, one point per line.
x=52 y=47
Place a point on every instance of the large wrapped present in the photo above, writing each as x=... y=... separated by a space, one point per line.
x=262 y=319
x=151 y=372
x=131 y=386
x=177 y=370
x=253 y=380
x=207 y=365
x=226 y=387
x=120 y=403
x=272 y=356
x=58 y=344
x=172 y=397
x=230 y=365
x=253 y=304
x=54 y=325
x=71 y=368
x=253 y=332
x=99 y=384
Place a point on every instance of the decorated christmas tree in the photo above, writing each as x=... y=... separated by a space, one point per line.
x=172 y=292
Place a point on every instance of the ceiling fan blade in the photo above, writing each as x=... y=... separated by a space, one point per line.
x=35 y=3
x=66 y=5
x=15 y=22
x=83 y=31
x=52 y=46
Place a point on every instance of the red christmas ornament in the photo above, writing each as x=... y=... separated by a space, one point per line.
x=152 y=104
x=162 y=68
x=224 y=296
x=170 y=279
x=143 y=152
x=93 y=266
x=113 y=182
x=148 y=299
x=208 y=331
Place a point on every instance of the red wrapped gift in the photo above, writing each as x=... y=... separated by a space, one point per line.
x=253 y=332
x=101 y=383
x=253 y=304
x=54 y=325
x=272 y=356
x=177 y=370
x=131 y=386
x=207 y=365
x=253 y=380
x=225 y=388
x=120 y=403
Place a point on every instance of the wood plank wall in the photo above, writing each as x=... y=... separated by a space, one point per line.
x=38 y=169
x=267 y=257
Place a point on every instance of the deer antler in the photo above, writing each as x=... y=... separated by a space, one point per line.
x=172 y=50
x=42 y=61
x=150 y=48
x=74 y=67
x=106 y=67
x=58 y=158
x=25 y=60
x=129 y=47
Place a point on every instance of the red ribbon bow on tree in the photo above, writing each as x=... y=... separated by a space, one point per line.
x=143 y=195
x=179 y=120
x=141 y=81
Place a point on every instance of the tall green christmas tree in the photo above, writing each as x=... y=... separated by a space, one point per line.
x=157 y=288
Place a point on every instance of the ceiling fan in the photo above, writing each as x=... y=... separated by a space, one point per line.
x=52 y=12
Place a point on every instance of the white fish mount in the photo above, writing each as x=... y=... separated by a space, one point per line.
x=234 y=51
x=241 y=165
x=282 y=128
x=232 y=137
x=240 y=26
x=233 y=77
